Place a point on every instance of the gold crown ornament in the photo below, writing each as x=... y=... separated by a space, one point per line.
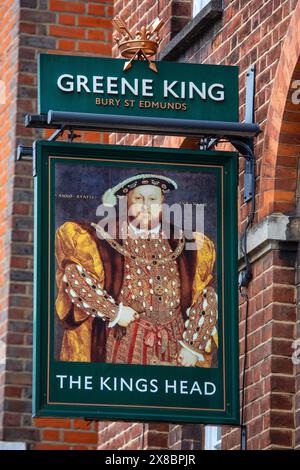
x=141 y=46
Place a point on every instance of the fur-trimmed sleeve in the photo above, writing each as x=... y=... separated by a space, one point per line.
x=201 y=325
x=73 y=244
x=205 y=261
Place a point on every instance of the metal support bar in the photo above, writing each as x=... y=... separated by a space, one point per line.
x=250 y=90
x=37 y=121
x=157 y=126
x=243 y=437
x=142 y=125
x=249 y=180
x=245 y=148
x=23 y=153
x=239 y=134
x=56 y=134
x=34 y=159
x=249 y=118
x=72 y=135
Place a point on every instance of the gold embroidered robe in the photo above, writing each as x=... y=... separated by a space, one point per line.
x=153 y=290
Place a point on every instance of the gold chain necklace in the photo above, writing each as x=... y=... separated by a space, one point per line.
x=138 y=259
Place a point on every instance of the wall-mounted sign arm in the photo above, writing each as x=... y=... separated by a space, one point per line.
x=59 y=132
x=23 y=153
x=144 y=125
x=151 y=125
x=245 y=148
x=250 y=94
x=37 y=121
x=26 y=153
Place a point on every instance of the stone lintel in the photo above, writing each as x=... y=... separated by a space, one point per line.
x=276 y=231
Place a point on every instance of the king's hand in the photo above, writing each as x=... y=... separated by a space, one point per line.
x=187 y=358
x=127 y=316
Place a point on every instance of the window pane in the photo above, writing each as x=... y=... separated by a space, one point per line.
x=212 y=437
x=198 y=5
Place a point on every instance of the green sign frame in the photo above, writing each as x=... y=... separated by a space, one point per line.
x=100 y=86
x=53 y=398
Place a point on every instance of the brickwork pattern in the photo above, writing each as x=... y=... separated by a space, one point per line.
x=176 y=14
x=270 y=381
x=187 y=437
x=8 y=92
x=264 y=33
x=297 y=336
x=33 y=26
x=147 y=436
x=281 y=144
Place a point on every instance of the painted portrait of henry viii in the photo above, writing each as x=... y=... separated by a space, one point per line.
x=142 y=299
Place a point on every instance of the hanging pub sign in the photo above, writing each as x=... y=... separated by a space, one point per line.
x=100 y=86
x=135 y=281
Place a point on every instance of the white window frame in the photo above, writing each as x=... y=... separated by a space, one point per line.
x=198 y=5
x=212 y=438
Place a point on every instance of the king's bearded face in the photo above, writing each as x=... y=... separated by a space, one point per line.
x=145 y=206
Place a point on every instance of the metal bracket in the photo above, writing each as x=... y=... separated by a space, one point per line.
x=249 y=118
x=141 y=125
x=207 y=143
x=34 y=159
x=244 y=144
x=72 y=136
x=26 y=153
x=23 y=153
x=56 y=134
x=243 y=437
x=245 y=148
x=250 y=90
x=59 y=132
x=248 y=180
x=210 y=132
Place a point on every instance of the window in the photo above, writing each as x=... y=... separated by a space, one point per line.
x=212 y=437
x=198 y=5
x=205 y=14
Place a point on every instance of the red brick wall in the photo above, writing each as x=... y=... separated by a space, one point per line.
x=147 y=436
x=65 y=434
x=270 y=380
x=26 y=28
x=271 y=383
x=8 y=71
x=175 y=13
x=264 y=33
x=297 y=335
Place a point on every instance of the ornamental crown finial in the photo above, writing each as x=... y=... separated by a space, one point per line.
x=142 y=46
